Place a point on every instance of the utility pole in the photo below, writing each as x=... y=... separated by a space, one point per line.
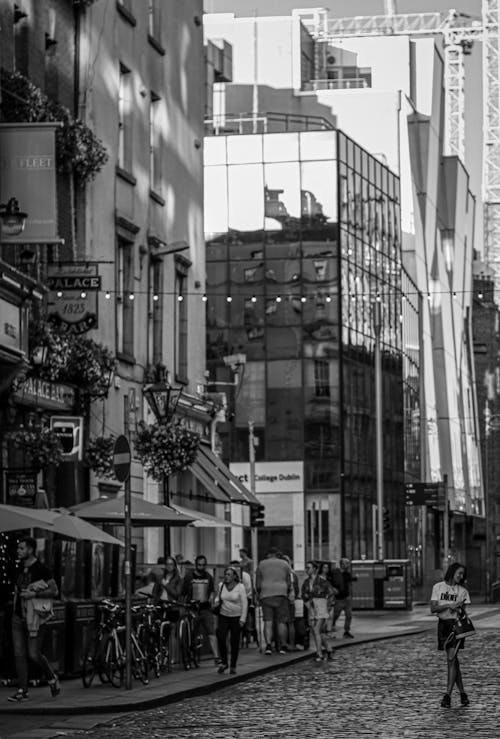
x=252 y=443
x=446 y=533
x=377 y=328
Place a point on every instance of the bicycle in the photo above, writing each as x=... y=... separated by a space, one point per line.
x=103 y=658
x=190 y=640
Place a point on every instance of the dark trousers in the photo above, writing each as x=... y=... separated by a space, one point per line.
x=26 y=648
x=228 y=625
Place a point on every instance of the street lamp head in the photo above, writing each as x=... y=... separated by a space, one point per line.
x=13 y=220
x=162 y=398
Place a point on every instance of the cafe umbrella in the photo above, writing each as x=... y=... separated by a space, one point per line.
x=144 y=513
x=16 y=518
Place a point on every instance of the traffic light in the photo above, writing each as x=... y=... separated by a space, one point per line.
x=257 y=516
x=387 y=520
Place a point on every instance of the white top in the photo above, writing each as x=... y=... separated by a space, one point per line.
x=233 y=602
x=442 y=592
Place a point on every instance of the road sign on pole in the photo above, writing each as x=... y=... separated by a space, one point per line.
x=121 y=466
x=422 y=493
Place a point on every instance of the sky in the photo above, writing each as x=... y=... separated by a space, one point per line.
x=341 y=8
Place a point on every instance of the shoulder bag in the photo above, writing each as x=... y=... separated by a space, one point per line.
x=216 y=609
x=463 y=626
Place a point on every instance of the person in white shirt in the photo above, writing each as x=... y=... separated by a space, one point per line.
x=448 y=598
x=232 y=599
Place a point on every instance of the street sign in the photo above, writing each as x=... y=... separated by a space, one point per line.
x=422 y=493
x=121 y=459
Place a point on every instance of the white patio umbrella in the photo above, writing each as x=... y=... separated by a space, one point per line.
x=14 y=518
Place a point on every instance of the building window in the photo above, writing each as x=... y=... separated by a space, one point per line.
x=321 y=378
x=156 y=311
x=154 y=144
x=154 y=19
x=125 y=299
x=125 y=119
x=181 y=323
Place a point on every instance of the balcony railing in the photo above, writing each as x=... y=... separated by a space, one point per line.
x=248 y=123
x=355 y=83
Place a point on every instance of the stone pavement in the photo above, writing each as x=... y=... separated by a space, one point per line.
x=38 y=720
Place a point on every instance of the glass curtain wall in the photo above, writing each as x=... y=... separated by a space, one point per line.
x=277 y=284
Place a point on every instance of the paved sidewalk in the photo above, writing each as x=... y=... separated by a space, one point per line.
x=101 y=702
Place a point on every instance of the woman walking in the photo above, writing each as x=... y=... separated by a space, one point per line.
x=448 y=598
x=318 y=595
x=233 y=602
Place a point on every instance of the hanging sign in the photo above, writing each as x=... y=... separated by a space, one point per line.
x=28 y=174
x=73 y=295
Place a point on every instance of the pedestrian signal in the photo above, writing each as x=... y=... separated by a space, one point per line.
x=257 y=513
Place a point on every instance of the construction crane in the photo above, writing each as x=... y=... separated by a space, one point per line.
x=459 y=31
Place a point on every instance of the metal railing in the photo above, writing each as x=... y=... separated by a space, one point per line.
x=248 y=123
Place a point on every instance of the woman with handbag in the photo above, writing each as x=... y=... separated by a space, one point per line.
x=318 y=595
x=448 y=599
x=231 y=607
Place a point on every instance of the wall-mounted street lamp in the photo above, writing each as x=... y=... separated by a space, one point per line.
x=162 y=397
x=12 y=218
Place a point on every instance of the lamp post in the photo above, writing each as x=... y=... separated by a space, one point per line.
x=162 y=398
x=377 y=329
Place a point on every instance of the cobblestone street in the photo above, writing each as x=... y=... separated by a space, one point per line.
x=389 y=689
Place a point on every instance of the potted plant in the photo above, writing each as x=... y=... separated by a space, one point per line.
x=98 y=455
x=165 y=449
x=41 y=446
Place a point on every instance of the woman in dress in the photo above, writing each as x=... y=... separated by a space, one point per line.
x=233 y=602
x=318 y=595
x=448 y=598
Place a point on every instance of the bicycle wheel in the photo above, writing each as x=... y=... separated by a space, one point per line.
x=89 y=666
x=196 y=645
x=140 y=669
x=113 y=666
x=185 y=642
x=165 y=659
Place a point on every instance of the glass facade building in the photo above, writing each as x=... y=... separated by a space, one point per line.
x=303 y=235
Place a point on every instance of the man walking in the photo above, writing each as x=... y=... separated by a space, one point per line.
x=198 y=585
x=272 y=584
x=34 y=583
x=342 y=579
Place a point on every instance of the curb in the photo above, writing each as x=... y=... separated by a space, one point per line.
x=223 y=682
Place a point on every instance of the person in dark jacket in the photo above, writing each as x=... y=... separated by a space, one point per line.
x=198 y=585
x=342 y=578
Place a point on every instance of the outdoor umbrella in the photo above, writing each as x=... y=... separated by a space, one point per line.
x=17 y=518
x=13 y=518
x=66 y=523
x=143 y=512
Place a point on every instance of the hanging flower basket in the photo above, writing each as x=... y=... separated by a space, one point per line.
x=41 y=446
x=71 y=359
x=165 y=449
x=78 y=150
x=98 y=455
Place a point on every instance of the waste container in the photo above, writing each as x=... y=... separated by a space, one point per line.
x=80 y=625
x=381 y=585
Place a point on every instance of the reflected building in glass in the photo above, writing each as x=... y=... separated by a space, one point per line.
x=303 y=235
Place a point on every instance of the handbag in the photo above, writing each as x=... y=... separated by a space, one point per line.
x=463 y=626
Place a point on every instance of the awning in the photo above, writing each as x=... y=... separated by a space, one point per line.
x=208 y=483
x=205 y=520
x=215 y=467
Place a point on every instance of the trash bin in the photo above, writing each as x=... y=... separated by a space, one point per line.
x=80 y=625
x=397 y=584
x=381 y=585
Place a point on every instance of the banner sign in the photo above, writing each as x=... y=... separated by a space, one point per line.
x=21 y=488
x=46 y=394
x=28 y=173
x=272 y=477
x=73 y=295
x=422 y=493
